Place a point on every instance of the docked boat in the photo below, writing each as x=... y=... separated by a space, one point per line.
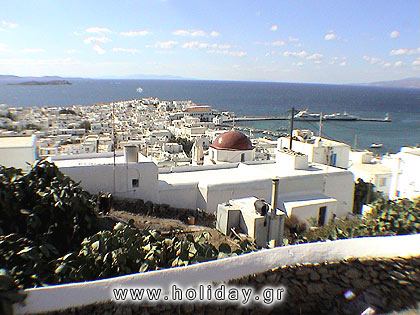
x=306 y=115
x=376 y=145
x=340 y=116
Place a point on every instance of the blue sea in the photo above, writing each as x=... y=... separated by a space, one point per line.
x=255 y=98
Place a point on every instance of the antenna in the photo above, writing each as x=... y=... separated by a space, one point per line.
x=113 y=143
x=291 y=128
x=320 y=125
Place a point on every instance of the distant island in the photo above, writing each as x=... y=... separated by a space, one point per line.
x=51 y=82
x=409 y=83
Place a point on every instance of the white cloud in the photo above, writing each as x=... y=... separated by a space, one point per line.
x=7 y=25
x=33 y=50
x=3 y=47
x=394 y=34
x=96 y=40
x=192 y=33
x=195 y=45
x=274 y=27
x=387 y=65
x=298 y=64
x=97 y=30
x=278 y=43
x=72 y=51
x=293 y=39
x=373 y=60
x=221 y=49
x=99 y=50
x=126 y=50
x=416 y=62
x=398 y=63
x=135 y=33
x=341 y=61
x=195 y=33
x=315 y=57
x=405 y=51
x=228 y=52
x=204 y=45
x=330 y=36
x=166 y=45
x=300 y=54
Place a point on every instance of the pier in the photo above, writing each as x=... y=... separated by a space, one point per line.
x=262 y=118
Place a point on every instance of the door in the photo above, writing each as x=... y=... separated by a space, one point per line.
x=322 y=216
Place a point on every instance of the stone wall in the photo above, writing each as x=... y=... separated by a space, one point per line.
x=383 y=284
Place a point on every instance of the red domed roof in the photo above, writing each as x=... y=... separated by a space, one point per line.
x=232 y=140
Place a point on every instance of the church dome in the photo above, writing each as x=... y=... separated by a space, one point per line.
x=232 y=140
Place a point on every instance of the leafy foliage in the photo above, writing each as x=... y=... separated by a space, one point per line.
x=186 y=144
x=386 y=218
x=49 y=235
x=128 y=250
x=9 y=293
x=45 y=206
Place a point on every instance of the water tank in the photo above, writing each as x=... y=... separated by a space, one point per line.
x=131 y=154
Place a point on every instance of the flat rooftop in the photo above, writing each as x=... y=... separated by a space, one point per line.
x=17 y=142
x=243 y=173
x=92 y=159
x=371 y=168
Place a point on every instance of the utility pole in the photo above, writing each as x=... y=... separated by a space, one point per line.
x=292 y=117
x=320 y=125
x=113 y=143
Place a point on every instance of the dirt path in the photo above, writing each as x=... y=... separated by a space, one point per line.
x=166 y=225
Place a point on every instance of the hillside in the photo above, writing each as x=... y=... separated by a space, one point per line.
x=403 y=83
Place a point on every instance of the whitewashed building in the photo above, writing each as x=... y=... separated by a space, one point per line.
x=231 y=147
x=18 y=151
x=318 y=150
x=311 y=190
x=405 y=167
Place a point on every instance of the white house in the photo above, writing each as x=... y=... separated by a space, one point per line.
x=370 y=170
x=405 y=166
x=231 y=147
x=18 y=151
x=315 y=190
x=318 y=150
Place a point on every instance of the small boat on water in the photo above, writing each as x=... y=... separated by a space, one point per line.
x=139 y=90
x=376 y=145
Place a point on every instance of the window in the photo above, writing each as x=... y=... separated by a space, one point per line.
x=322 y=216
x=134 y=183
x=382 y=182
x=243 y=157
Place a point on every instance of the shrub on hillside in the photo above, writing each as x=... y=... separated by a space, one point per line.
x=386 y=218
x=45 y=206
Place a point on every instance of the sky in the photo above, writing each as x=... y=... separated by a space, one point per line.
x=319 y=41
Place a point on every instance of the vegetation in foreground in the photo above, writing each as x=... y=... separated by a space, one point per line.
x=50 y=233
x=399 y=217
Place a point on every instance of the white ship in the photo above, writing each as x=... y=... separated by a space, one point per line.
x=306 y=115
x=340 y=116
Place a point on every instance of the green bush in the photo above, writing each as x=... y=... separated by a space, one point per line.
x=48 y=235
x=386 y=218
x=127 y=250
x=45 y=206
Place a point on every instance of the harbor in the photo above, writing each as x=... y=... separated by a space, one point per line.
x=304 y=115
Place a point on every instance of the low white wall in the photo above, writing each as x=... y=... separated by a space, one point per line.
x=53 y=298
